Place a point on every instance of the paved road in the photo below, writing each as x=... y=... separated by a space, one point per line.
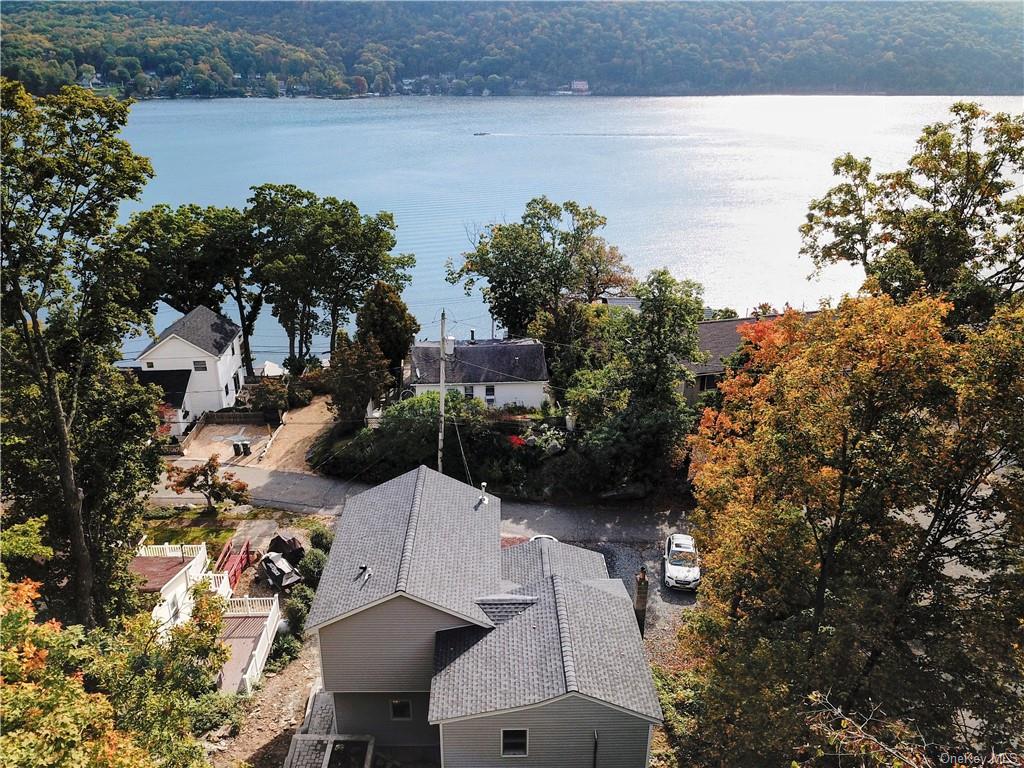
x=315 y=494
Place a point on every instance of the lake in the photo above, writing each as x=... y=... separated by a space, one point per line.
x=714 y=188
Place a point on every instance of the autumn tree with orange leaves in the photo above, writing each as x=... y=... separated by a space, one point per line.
x=861 y=518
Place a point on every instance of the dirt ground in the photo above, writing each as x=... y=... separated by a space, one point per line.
x=217 y=438
x=302 y=426
x=272 y=715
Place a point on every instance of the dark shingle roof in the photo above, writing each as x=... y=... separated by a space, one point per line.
x=570 y=637
x=204 y=328
x=718 y=338
x=480 y=362
x=532 y=561
x=173 y=383
x=423 y=534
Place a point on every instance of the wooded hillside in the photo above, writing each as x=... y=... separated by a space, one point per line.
x=264 y=48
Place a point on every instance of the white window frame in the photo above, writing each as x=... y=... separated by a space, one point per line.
x=149 y=364
x=391 y=710
x=501 y=744
x=197 y=363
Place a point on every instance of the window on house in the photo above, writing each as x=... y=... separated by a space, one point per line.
x=234 y=380
x=149 y=365
x=232 y=349
x=198 y=365
x=225 y=390
x=468 y=391
x=489 y=390
x=706 y=382
x=515 y=743
x=401 y=709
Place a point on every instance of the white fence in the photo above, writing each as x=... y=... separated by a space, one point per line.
x=252 y=606
x=220 y=584
x=173 y=550
x=262 y=650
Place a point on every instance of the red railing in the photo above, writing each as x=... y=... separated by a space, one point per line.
x=233 y=559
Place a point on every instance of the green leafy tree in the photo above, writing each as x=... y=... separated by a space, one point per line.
x=70 y=295
x=184 y=272
x=385 y=318
x=949 y=223
x=359 y=373
x=532 y=265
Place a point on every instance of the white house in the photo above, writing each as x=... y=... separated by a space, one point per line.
x=500 y=372
x=208 y=346
x=178 y=402
x=169 y=571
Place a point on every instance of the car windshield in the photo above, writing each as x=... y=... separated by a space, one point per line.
x=680 y=557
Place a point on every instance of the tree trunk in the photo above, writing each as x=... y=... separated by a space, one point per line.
x=246 y=321
x=73 y=498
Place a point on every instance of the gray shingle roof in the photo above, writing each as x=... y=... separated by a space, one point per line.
x=422 y=534
x=532 y=561
x=480 y=362
x=718 y=338
x=573 y=638
x=204 y=328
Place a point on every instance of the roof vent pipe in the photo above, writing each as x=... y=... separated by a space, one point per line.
x=483 y=493
x=472 y=335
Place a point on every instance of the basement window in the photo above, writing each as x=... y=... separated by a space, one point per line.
x=515 y=742
x=401 y=709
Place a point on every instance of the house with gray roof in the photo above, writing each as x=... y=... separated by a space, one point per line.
x=500 y=372
x=439 y=644
x=207 y=346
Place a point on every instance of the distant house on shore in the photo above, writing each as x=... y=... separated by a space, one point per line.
x=500 y=372
x=579 y=87
x=208 y=348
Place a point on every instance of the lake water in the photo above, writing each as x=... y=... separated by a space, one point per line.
x=712 y=188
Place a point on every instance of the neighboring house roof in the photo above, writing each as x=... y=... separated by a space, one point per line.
x=422 y=534
x=554 y=637
x=157 y=571
x=480 y=362
x=173 y=383
x=630 y=302
x=203 y=328
x=720 y=338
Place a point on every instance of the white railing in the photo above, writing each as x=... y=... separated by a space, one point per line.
x=220 y=584
x=262 y=650
x=172 y=550
x=251 y=606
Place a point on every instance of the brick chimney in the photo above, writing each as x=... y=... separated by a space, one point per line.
x=640 y=599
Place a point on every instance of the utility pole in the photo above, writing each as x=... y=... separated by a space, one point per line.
x=440 y=421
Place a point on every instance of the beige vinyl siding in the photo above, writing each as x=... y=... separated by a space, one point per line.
x=371 y=713
x=561 y=736
x=389 y=647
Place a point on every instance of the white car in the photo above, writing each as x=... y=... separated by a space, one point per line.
x=682 y=563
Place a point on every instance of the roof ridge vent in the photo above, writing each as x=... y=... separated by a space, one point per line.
x=545 y=558
x=565 y=636
x=410 y=532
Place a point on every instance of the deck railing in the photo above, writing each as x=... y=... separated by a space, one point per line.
x=258 y=660
x=173 y=550
x=220 y=584
x=251 y=606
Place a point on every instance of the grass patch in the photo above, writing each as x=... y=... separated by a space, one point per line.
x=214 y=536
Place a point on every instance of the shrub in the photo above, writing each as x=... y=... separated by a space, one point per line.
x=295 y=611
x=285 y=649
x=321 y=537
x=211 y=710
x=269 y=395
x=299 y=397
x=303 y=594
x=311 y=566
x=316 y=381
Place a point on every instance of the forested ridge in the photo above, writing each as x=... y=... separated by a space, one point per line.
x=339 y=49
